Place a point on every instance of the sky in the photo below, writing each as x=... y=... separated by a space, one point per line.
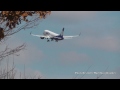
x=96 y=51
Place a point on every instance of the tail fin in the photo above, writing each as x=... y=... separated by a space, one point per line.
x=62 y=32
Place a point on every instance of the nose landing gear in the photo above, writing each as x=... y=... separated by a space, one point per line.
x=48 y=40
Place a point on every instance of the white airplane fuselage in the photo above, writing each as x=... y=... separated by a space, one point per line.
x=47 y=34
x=53 y=35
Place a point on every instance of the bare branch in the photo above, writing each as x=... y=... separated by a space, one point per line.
x=12 y=22
x=86 y=71
x=10 y=19
x=6 y=73
x=8 y=52
x=102 y=74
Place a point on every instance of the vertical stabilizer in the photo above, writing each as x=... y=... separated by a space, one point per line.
x=62 y=32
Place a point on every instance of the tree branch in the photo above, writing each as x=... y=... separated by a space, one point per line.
x=8 y=52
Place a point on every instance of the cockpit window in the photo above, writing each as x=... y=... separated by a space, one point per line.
x=47 y=33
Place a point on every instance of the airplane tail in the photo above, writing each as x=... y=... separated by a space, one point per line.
x=61 y=34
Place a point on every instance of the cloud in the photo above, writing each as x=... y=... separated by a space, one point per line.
x=29 y=55
x=31 y=52
x=105 y=43
x=71 y=16
x=73 y=57
x=108 y=43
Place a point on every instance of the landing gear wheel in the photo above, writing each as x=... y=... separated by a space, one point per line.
x=51 y=39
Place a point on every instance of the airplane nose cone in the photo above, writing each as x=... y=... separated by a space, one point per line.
x=44 y=33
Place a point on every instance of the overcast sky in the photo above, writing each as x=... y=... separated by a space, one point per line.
x=98 y=46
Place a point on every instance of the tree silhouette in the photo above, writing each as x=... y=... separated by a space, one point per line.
x=10 y=19
x=12 y=22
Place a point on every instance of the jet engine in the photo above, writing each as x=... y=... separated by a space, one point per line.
x=42 y=37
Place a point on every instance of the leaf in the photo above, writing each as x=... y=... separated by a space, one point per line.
x=19 y=19
x=17 y=23
x=25 y=14
x=7 y=23
x=41 y=16
x=10 y=26
x=30 y=13
x=26 y=20
x=13 y=24
x=1 y=33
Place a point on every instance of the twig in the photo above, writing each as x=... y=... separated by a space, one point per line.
x=102 y=74
x=86 y=72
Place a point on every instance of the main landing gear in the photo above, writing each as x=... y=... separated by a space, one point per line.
x=48 y=40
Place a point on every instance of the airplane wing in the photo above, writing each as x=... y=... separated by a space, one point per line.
x=40 y=36
x=70 y=37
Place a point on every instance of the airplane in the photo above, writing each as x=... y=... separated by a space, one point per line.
x=47 y=34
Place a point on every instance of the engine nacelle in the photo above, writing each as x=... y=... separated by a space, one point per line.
x=42 y=37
